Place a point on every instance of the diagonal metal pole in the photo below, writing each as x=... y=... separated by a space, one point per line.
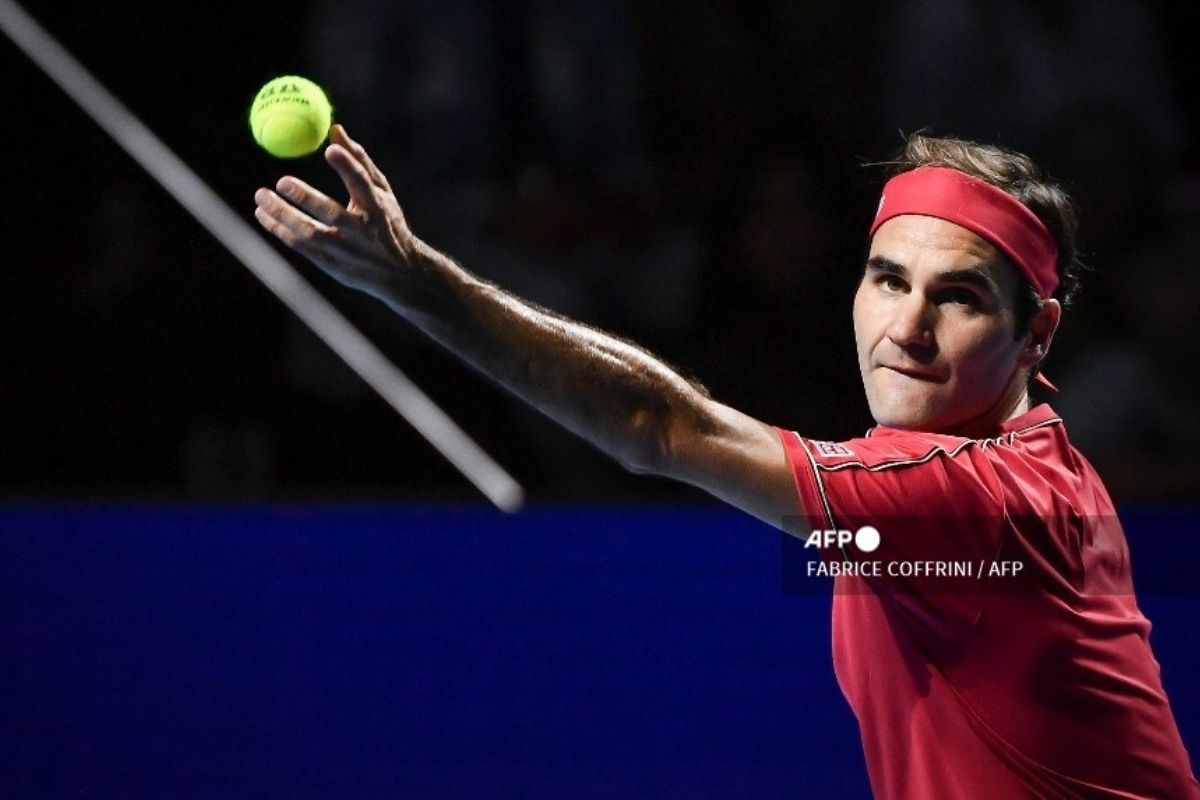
x=250 y=248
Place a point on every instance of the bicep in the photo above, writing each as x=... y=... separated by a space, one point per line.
x=737 y=459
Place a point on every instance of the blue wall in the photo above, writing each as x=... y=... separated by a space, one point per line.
x=399 y=652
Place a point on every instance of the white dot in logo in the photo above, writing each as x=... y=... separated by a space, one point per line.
x=867 y=539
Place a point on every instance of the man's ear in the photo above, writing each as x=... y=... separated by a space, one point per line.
x=1041 y=332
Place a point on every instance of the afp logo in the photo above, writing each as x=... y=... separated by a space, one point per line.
x=865 y=538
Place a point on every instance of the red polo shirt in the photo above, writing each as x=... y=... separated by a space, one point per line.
x=973 y=678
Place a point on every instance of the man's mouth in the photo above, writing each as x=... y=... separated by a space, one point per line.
x=917 y=374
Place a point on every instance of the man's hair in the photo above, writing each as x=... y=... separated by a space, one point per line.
x=1016 y=174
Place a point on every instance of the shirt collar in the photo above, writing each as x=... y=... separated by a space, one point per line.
x=1034 y=416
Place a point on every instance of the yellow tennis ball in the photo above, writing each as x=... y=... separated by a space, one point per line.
x=290 y=116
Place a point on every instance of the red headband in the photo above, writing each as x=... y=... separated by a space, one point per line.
x=981 y=208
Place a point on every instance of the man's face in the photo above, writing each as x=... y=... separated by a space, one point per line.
x=935 y=327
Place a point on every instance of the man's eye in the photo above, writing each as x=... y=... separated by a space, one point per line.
x=891 y=283
x=964 y=297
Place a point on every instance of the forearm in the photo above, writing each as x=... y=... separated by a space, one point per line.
x=608 y=391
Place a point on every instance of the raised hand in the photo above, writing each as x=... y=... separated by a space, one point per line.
x=365 y=244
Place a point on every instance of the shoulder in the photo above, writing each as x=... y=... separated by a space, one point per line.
x=880 y=449
x=888 y=473
x=1038 y=432
x=895 y=471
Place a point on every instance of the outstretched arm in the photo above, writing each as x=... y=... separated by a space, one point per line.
x=610 y=392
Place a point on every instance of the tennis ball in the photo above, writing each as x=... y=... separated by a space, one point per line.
x=290 y=116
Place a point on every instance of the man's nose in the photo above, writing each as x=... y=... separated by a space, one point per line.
x=912 y=322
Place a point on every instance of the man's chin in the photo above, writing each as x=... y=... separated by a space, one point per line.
x=906 y=422
x=906 y=414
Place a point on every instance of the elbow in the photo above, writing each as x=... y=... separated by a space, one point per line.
x=650 y=449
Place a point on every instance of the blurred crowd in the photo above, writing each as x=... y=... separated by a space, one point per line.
x=693 y=177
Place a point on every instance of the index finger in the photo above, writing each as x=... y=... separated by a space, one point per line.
x=339 y=135
x=354 y=176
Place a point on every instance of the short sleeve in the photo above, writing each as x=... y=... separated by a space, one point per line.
x=933 y=502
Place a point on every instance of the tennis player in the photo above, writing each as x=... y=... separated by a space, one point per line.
x=1043 y=686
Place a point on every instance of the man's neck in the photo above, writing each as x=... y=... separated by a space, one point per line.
x=1012 y=403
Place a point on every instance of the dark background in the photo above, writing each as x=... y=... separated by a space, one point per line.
x=689 y=176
